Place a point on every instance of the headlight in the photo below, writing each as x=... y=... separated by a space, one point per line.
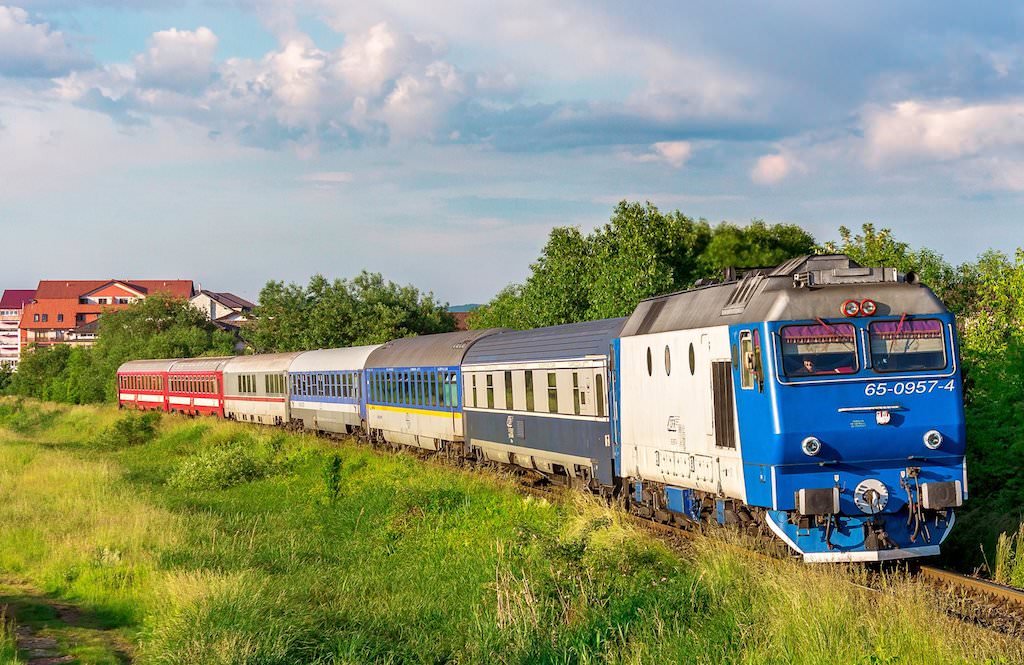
x=932 y=439
x=811 y=446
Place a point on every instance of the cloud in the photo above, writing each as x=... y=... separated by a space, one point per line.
x=674 y=153
x=773 y=169
x=32 y=49
x=328 y=178
x=941 y=130
x=177 y=60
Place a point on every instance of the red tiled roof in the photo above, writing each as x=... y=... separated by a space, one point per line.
x=74 y=288
x=16 y=298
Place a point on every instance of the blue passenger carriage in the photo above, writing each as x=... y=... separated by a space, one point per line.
x=820 y=397
x=414 y=388
x=540 y=399
x=327 y=391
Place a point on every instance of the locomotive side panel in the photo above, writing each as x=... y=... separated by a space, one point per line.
x=678 y=418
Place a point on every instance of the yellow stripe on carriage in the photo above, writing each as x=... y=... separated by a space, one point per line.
x=422 y=412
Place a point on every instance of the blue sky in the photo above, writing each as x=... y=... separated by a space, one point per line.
x=236 y=141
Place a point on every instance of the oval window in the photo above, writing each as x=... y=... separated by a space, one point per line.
x=668 y=361
x=693 y=360
x=650 y=363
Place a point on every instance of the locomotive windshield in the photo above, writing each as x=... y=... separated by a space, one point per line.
x=907 y=346
x=822 y=348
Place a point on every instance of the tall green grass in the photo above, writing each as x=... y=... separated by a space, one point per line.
x=1009 y=560
x=8 y=644
x=214 y=542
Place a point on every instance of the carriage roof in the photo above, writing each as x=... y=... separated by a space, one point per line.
x=441 y=350
x=571 y=341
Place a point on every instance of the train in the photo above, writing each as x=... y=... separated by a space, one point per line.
x=818 y=400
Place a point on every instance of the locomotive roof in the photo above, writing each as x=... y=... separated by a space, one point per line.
x=201 y=364
x=574 y=340
x=266 y=362
x=441 y=350
x=803 y=288
x=327 y=360
x=147 y=365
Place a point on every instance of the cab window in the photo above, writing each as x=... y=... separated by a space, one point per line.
x=907 y=346
x=819 y=349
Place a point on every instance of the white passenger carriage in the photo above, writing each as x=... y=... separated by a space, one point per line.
x=256 y=388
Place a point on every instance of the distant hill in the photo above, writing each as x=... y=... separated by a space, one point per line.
x=456 y=309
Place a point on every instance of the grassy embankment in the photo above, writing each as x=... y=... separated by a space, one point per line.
x=210 y=542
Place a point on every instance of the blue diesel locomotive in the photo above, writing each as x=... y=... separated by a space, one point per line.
x=820 y=399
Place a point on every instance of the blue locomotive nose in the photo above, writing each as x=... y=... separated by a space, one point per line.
x=870 y=458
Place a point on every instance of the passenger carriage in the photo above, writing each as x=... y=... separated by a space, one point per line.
x=141 y=384
x=195 y=386
x=540 y=399
x=256 y=388
x=327 y=391
x=820 y=397
x=414 y=389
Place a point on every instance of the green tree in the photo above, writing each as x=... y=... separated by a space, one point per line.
x=329 y=314
x=6 y=374
x=755 y=245
x=639 y=253
x=880 y=248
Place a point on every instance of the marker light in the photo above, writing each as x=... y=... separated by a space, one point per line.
x=851 y=308
x=811 y=446
x=868 y=307
x=932 y=439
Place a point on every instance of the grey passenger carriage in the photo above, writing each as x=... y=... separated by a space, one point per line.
x=540 y=399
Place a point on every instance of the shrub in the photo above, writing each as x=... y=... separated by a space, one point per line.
x=130 y=430
x=234 y=462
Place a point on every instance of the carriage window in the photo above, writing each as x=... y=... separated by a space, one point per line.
x=529 y=390
x=907 y=346
x=599 y=388
x=473 y=394
x=490 y=391
x=818 y=349
x=576 y=393
x=508 y=391
x=552 y=392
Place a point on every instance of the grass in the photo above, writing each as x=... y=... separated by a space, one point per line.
x=1009 y=559
x=8 y=646
x=211 y=542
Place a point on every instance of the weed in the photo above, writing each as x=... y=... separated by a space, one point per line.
x=8 y=644
x=1009 y=563
x=130 y=430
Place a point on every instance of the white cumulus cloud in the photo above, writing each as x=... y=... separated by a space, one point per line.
x=773 y=169
x=942 y=130
x=177 y=59
x=33 y=49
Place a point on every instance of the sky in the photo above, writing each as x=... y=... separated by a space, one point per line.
x=236 y=141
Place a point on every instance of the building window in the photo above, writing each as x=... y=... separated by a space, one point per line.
x=35 y=318
x=60 y=318
x=103 y=301
x=552 y=392
x=45 y=317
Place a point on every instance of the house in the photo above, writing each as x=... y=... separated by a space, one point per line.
x=12 y=302
x=66 y=311
x=225 y=309
x=461 y=315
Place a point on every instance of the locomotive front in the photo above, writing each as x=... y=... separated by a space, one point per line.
x=865 y=405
